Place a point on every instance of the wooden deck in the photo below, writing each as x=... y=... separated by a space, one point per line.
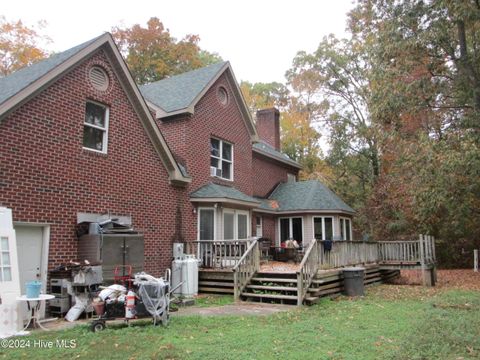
x=237 y=265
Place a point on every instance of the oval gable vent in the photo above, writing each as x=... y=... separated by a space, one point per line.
x=98 y=78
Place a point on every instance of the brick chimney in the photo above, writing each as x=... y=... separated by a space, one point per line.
x=268 y=126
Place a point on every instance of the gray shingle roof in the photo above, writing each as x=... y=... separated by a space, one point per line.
x=304 y=195
x=17 y=81
x=271 y=152
x=219 y=191
x=179 y=91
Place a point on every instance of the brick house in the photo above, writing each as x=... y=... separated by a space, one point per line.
x=181 y=159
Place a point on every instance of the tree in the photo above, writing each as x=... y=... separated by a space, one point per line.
x=264 y=95
x=432 y=47
x=153 y=54
x=19 y=45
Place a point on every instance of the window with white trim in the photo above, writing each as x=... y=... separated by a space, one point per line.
x=323 y=227
x=345 y=229
x=221 y=159
x=291 y=228
x=259 y=226
x=235 y=224
x=95 y=127
x=206 y=224
x=291 y=178
x=5 y=264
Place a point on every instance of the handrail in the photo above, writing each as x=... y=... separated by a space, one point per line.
x=307 y=270
x=233 y=241
x=219 y=253
x=246 y=268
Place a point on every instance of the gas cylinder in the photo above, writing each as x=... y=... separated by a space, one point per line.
x=130 y=305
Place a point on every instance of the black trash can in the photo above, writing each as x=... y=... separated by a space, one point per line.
x=353 y=281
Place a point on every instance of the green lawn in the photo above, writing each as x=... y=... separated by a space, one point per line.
x=391 y=322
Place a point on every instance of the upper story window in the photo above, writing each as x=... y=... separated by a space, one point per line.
x=95 y=127
x=221 y=159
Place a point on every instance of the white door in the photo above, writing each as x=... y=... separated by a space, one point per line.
x=32 y=259
x=9 y=278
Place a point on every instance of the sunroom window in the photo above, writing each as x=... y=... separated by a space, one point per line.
x=323 y=228
x=221 y=159
x=95 y=127
x=345 y=229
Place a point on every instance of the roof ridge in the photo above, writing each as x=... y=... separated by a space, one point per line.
x=176 y=76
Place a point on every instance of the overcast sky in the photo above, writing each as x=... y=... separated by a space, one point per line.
x=259 y=37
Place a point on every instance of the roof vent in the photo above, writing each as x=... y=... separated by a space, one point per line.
x=98 y=78
x=222 y=95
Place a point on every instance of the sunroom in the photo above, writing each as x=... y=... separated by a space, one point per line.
x=224 y=224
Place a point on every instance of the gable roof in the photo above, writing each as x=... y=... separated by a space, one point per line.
x=304 y=196
x=19 y=87
x=220 y=193
x=269 y=151
x=180 y=93
x=20 y=79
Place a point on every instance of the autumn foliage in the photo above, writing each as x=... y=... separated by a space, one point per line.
x=19 y=45
x=152 y=53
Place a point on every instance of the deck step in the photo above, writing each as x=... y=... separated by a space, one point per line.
x=215 y=283
x=274 y=288
x=218 y=290
x=270 y=296
x=323 y=287
x=274 y=280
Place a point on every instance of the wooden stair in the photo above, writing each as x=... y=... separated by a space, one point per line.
x=330 y=282
x=215 y=282
x=271 y=287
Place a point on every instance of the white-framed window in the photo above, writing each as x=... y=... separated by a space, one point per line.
x=5 y=263
x=345 y=228
x=291 y=228
x=323 y=228
x=221 y=159
x=95 y=127
x=259 y=226
x=206 y=223
x=235 y=224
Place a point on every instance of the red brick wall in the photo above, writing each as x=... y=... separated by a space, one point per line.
x=189 y=138
x=268 y=227
x=267 y=173
x=268 y=126
x=47 y=177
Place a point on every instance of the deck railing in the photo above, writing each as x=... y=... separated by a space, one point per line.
x=420 y=251
x=307 y=271
x=347 y=253
x=246 y=268
x=218 y=253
